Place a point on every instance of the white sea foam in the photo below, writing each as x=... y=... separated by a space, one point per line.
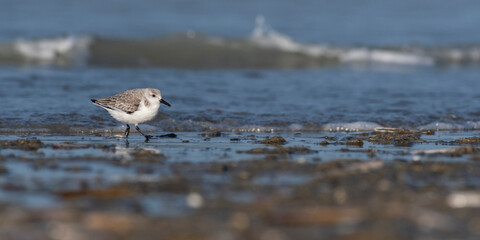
x=265 y=36
x=350 y=127
x=384 y=56
x=189 y=125
x=62 y=50
x=442 y=126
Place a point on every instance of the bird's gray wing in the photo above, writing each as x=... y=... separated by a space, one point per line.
x=122 y=102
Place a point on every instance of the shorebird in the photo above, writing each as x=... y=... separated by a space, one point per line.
x=133 y=106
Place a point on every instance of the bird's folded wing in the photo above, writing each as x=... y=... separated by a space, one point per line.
x=128 y=103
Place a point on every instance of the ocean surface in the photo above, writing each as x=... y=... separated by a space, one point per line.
x=294 y=66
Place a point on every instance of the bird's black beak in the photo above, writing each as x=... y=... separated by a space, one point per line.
x=165 y=102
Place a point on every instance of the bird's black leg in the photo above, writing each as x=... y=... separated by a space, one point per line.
x=127 y=131
x=147 y=137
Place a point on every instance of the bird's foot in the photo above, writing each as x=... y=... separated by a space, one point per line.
x=148 y=137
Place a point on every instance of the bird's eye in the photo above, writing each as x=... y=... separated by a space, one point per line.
x=153 y=95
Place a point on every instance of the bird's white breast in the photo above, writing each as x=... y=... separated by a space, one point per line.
x=143 y=114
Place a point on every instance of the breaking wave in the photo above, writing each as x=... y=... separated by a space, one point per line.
x=70 y=51
x=264 y=48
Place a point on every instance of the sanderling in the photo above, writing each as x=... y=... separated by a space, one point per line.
x=133 y=106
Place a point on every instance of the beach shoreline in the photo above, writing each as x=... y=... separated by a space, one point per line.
x=230 y=185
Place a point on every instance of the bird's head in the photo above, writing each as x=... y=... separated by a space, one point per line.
x=155 y=95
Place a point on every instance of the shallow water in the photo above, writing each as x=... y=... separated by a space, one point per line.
x=336 y=99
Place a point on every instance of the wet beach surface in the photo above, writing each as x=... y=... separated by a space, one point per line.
x=384 y=184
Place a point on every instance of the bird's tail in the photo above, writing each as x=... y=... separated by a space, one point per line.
x=99 y=103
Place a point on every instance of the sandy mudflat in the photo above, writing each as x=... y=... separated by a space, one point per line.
x=212 y=185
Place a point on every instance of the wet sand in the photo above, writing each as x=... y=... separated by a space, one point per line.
x=390 y=184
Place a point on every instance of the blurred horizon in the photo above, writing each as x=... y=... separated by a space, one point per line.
x=330 y=22
x=239 y=35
